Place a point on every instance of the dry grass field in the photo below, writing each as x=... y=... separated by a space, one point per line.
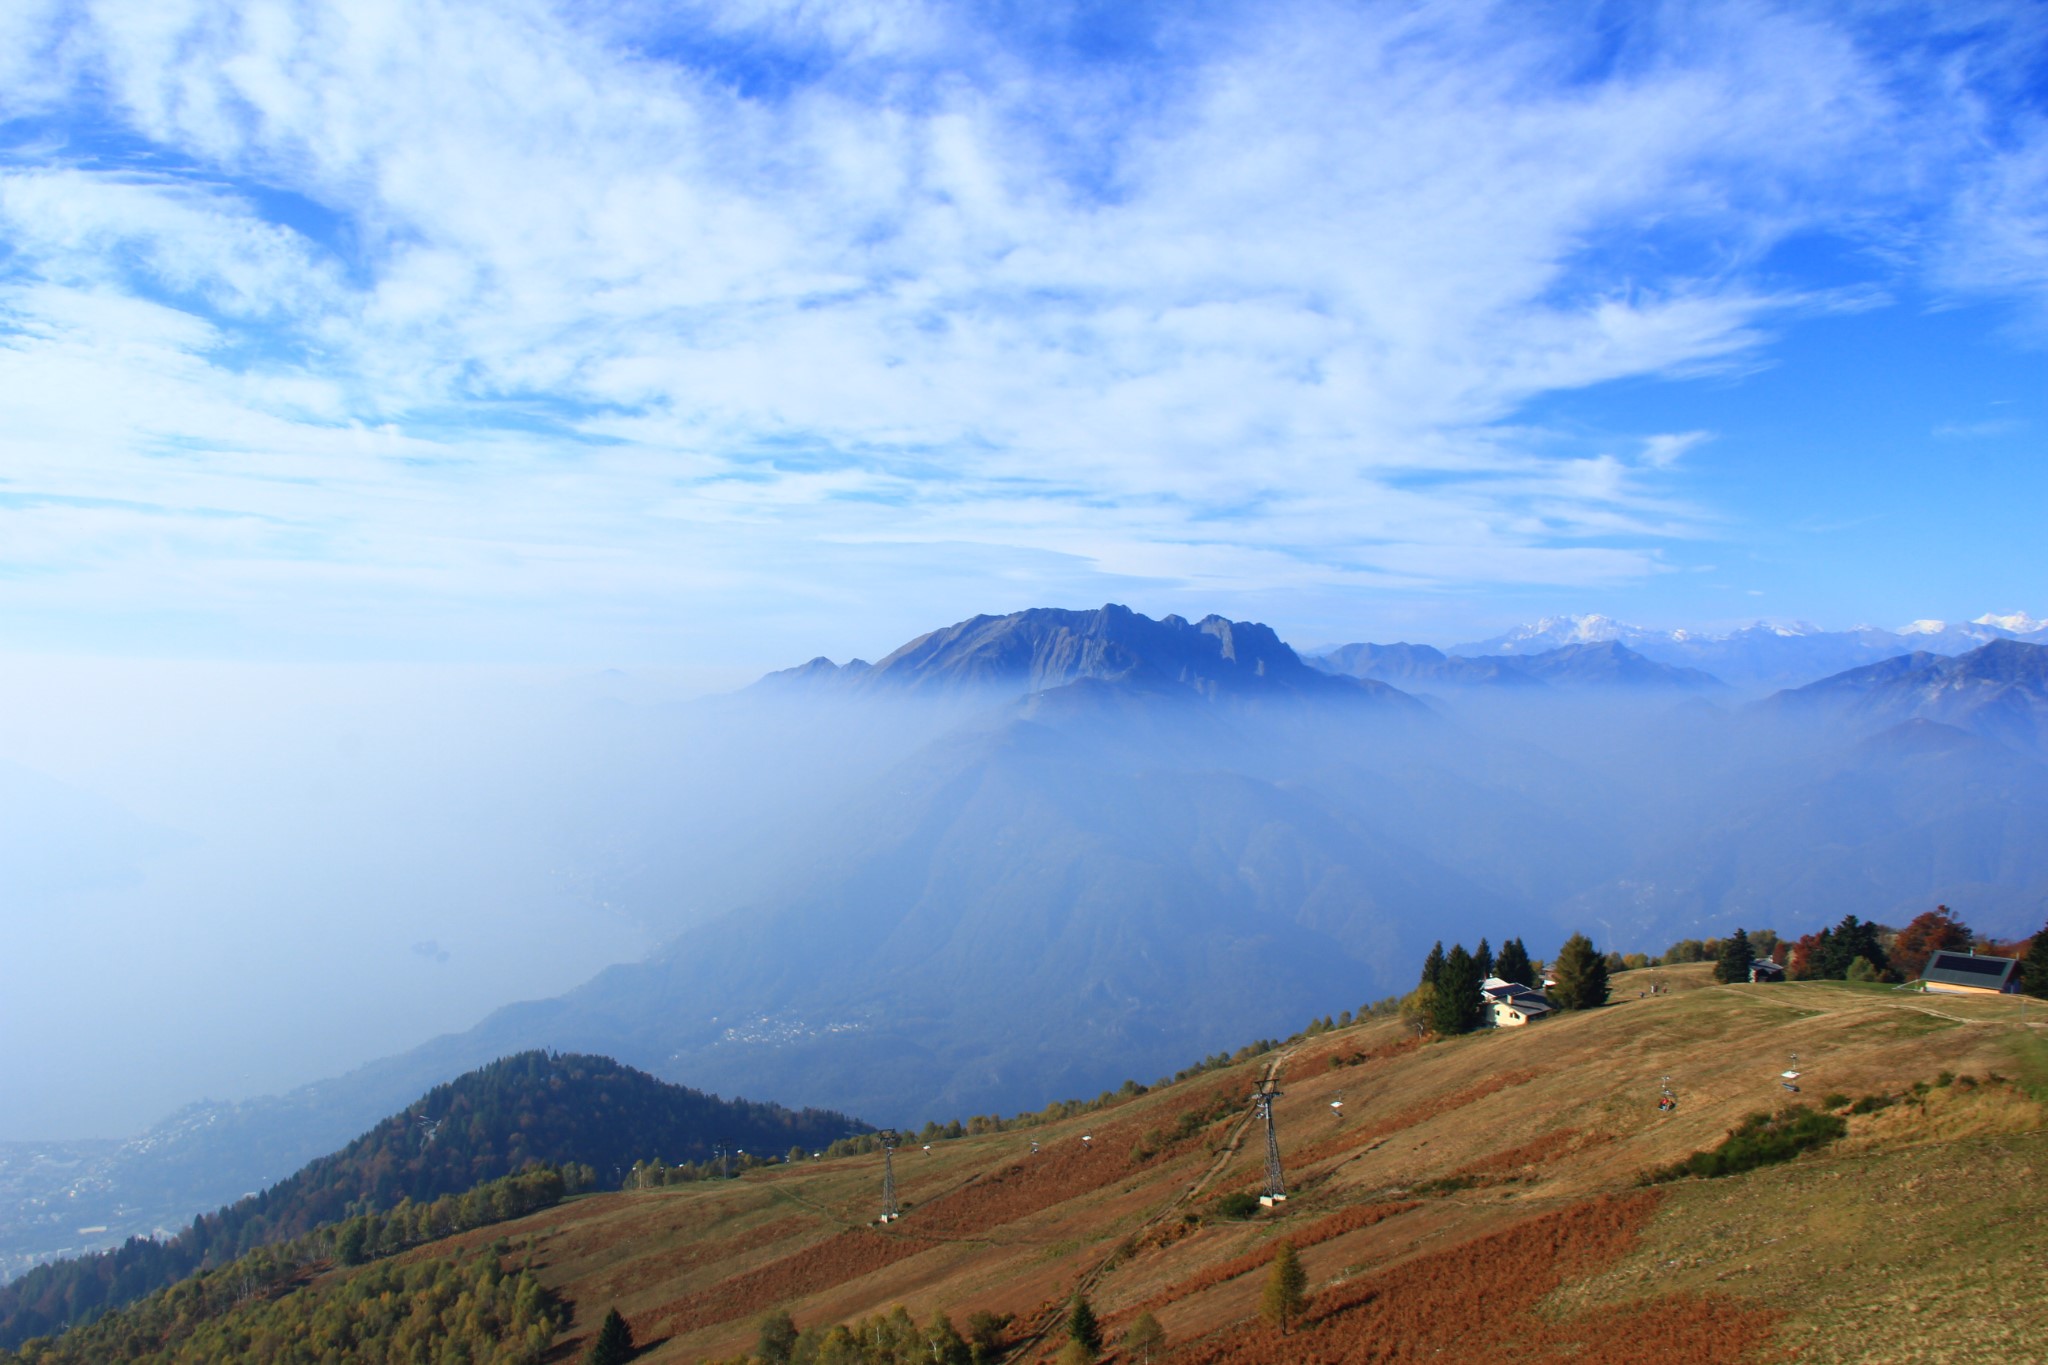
x=1478 y=1198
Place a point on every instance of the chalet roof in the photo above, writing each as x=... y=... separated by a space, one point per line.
x=1945 y=968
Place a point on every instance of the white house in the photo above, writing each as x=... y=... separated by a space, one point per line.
x=1510 y=1004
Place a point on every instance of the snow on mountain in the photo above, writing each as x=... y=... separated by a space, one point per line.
x=2018 y=622
x=1555 y=632
x=1767 y=654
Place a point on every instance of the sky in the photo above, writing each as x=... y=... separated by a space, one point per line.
x=714 y=337
x=388 y=386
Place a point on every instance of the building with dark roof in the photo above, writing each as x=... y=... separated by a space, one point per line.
x=1510 y=1004
x=1968 y=974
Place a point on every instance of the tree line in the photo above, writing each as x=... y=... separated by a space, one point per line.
x=257 y=1308
x=1447 y=1000
x=530 y=1108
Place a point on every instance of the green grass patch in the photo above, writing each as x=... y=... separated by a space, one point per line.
x=1238 y=1205
x=2029 y=1052
x=1760 y=1140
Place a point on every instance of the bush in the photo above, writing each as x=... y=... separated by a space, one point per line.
x=1761 y=1140
x=1238 y=1204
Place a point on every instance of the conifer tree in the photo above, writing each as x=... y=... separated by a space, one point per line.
x=1581 y=975
x=1286 y=1289
x=2034 y=967
x=1482 y=960
x=1082 y=1327
x=1455 y=1008
x=1736 y=955
x=1432 y=965
x=613 y=1344
x=1513 y=963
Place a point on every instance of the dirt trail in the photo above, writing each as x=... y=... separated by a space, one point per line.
x=1093 y=1275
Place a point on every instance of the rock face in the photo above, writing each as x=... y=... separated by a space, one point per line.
x=1046 y=648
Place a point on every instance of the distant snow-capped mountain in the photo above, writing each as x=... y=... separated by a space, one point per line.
x=1768 y=654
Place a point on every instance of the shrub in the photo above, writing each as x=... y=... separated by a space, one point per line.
x=1238 y=1204
x=1761 y=1140
x=1835 y=1101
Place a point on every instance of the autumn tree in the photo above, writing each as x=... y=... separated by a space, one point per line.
x=1286 y=1289
x=1581 y=975
x=778 y=1338
x=943 y=1343
x=1926 y=935
x=1145 y=1339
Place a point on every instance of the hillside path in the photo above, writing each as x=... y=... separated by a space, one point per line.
x=1054 y=1315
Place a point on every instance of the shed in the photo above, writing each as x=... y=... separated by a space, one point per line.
x=1968 y=974
x=1763 y=969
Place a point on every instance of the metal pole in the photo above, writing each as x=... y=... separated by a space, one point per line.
x=1276 y=1186
x=890 y=1213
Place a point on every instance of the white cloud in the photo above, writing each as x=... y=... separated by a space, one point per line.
x=1257 y=314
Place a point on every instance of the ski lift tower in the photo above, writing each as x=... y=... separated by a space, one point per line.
x=890 y=1213
x=1276 y=1187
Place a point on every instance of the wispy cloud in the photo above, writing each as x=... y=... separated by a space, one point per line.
x=457 y=312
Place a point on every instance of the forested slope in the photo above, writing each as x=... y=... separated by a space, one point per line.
x=528 y=1109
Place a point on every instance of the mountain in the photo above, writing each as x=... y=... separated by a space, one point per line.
x=1073 y=848
x=1607 y=665
x=1046 y=648
x=1998 y=691
x=492 y=1122
x=1765 y=656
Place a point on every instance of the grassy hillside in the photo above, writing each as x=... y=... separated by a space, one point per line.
x=535 y=1107
x=1479 y=1198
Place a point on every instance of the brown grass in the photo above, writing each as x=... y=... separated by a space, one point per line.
x=1477 y=1302
x=1313 y=1234
x=850 y=1255
x=1363 y=1133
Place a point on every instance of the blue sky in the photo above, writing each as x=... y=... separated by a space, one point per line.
x=718 y=336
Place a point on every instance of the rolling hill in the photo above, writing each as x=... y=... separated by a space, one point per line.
x=1498 y=1188
x=533 y=1108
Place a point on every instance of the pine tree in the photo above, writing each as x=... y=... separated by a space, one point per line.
x=613 y=1344
x=1082 y=1328
x=2034 y=966
x=1286 y=1289
x=1145 y=1339
x=1455 y=1007
x=1847 y=941
x=1513 y=963
x=1581 y=975
x=1482 y=960
x=1432 y=965
x=1736 y=955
